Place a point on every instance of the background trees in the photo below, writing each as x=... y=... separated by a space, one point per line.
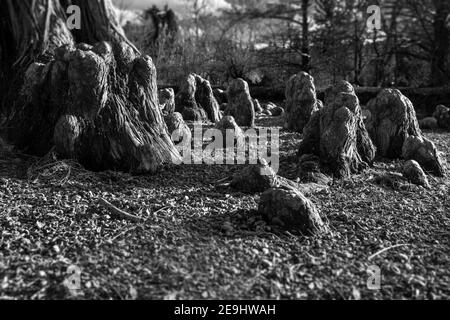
x=266 y=42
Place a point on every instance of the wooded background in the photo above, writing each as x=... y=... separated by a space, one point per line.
x=265 y=42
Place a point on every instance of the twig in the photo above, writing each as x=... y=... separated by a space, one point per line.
x=159 y=210
x=386 y=249
x=123 y=233
x=223 y=185
x=116 y=211
x=222 y=180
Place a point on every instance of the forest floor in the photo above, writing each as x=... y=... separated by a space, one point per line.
x=198 y=242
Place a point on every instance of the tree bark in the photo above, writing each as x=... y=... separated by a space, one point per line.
x=301 y=101
x=395 y=131
x=240 y=103
x=306 y=58
x=196 y=100
x=336 y=134
x=88 y=92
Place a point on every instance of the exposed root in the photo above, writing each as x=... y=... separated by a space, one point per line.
x=118 y=212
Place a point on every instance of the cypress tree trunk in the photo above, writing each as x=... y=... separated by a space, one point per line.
x=336 y=136
x=306 y=58
x=88 y=92
x=439 y=65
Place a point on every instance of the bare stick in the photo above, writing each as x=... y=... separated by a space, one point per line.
x=123 y=233
x=386 y=249
x=117 y=212
x=160 y=210
x=222 y=180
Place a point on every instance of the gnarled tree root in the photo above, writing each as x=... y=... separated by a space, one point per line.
x=98 y=105
x=336 y=134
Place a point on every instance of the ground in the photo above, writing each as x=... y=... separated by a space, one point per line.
x=200 y=242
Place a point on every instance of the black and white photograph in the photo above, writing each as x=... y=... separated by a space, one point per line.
x=224 y=156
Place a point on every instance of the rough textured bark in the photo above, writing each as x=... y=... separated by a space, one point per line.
x=21 y=42
x=196 y=100
x=255 y=178
x=301 y=101
x=292 y=210
x=229 y=125
x=240 y=103
x=175 y=124
x=97 y=102
x=99 y=22
x=395 y=131
x=206 y=100
x=186 y=103
x=260 y=177
x=110 y=94
x=336 y=134
x=423 y=151
x=412 y=171
x=167 y=101
x=442 y=115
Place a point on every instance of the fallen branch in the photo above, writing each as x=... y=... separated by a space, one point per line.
x=118 y=212
x=386 y=249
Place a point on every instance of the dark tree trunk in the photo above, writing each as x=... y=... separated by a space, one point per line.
x=306 y=58
x=30 y=29
x=95 y=101
x=439 y=65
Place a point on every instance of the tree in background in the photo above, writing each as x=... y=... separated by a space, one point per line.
x=164 y=23
x=266 y=42
x=430 y=36
x=287 y=18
